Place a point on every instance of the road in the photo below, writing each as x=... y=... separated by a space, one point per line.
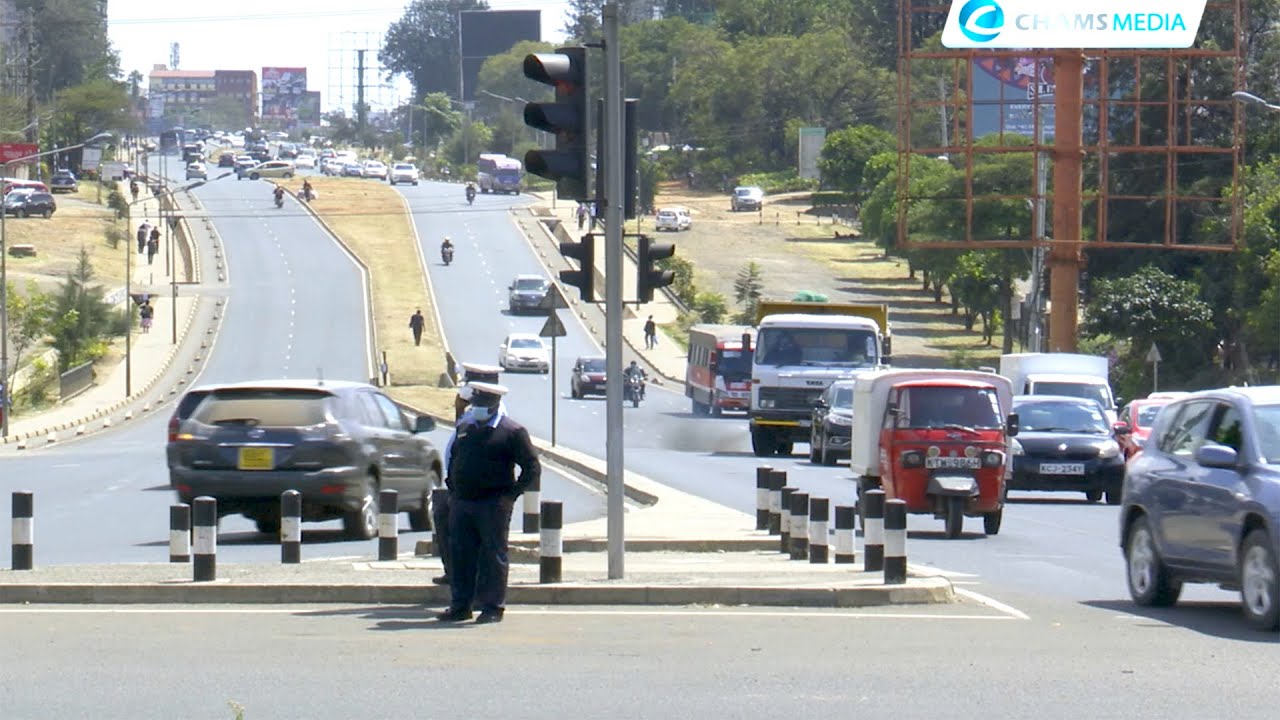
x=585 y=662
x=105 y=498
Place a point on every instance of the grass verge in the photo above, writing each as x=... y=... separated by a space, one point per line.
x=381 y=235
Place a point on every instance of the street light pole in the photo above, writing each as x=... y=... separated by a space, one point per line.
x=5 y=393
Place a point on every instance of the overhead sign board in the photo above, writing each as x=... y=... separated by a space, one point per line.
x=1137 y=24
x=10 y=152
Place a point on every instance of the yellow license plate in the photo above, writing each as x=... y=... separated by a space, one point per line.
x=256 y=458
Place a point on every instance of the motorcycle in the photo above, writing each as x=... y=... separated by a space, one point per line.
x=471 y=195
x=446 y=254
x=633 y=390
x=279 y=199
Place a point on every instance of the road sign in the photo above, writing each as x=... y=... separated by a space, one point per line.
x=553 y=328
x=1153 y=355
x=10 y=152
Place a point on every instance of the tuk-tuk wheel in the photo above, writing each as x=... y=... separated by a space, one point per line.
x=955 y=517
x=991 y=522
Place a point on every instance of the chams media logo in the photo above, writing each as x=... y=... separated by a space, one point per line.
x=981 y=20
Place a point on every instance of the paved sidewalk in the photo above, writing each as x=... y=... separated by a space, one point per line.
x=151 y=354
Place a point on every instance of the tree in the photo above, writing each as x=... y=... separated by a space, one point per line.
x=439 y=119
x=87 y=109
x=747 y=291
x=845 y=155
x=28 y=323
x=80 y=315
x=423 y=45
x=71 y=45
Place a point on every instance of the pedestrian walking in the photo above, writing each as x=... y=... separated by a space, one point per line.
x=144 y=232
x=133 y=188
x=416 y=323
x=582 y=215
x=146 y=312
x=650 y=334
x=483 y=455
x=472 y=372
x=153 y=247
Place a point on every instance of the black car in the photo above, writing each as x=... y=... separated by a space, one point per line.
x=528 y=293
x=63 y=181
x=1065 y=443
x=24 y=204
x=588 y=377
x=227 y=159
x=336 y=443
x=832 y=424
x=1202 y=502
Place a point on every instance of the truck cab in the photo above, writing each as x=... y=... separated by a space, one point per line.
x=798 y=355
x=1070 y=374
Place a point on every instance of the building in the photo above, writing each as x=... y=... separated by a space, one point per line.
x=179 y=97
x=240 y=87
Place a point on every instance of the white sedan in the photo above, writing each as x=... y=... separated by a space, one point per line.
x=524 y=351
x=374 y=169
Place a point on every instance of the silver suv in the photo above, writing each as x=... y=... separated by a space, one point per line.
x=747 y=197
x=336 y=443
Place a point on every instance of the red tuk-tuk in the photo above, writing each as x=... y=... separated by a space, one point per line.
x=936 y=439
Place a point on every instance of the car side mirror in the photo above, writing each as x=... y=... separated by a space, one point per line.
x=1121 y=428
x=892 y=409
x=1217 y=456
x=424 y=424
x=1011 y=425
x=820 y=403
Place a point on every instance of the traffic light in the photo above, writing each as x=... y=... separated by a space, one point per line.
x=584 y=278
x=569 y=164
x=630 y=170
x=648 y=276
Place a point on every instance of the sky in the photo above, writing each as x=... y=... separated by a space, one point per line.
x=320 y=35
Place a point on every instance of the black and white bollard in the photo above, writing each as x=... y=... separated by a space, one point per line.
x=895 y=542
x=23 y=530
x=762 y=497
x=439 y=499
x=532 y=499
x=204 y=518
x=784 y=521
x=818 y=514
x=388 y=530
x=180 y=533
x=550 y=542
x=846 y=517
x=291 y=527
x=777 y=480
x=799 y=526
x=873 y=530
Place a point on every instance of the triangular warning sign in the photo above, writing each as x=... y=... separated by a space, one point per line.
x=553 y=327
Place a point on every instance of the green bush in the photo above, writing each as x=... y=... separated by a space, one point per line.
x=827 y=198
x=710 y=307
x=778 y=182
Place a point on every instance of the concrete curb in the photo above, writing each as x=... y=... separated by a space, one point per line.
x=918 y=591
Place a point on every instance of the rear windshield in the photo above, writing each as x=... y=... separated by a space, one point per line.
x=265 y=407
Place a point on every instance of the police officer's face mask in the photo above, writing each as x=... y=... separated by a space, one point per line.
x=481 y=413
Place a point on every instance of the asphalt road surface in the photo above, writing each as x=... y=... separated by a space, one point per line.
x=584 y=662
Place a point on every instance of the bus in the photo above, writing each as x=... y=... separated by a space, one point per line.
x=487 y=169
x=718 y=374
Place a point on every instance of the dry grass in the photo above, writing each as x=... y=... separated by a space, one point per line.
x=797 y=250
x=78 y=222
x=382 y=236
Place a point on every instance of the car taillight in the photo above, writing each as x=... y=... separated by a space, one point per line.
x=328 y=431
x=173 y=428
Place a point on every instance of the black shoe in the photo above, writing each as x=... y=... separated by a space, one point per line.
x=440 y=580
x=489 y=616
x=454 y=615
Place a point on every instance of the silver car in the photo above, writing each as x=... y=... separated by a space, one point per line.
x=746 y=197
x=336 y=443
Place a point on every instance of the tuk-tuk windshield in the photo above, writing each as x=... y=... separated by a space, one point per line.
x=937 y=407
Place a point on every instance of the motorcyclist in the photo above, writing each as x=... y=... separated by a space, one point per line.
x=634 y=370
x=279 y=194
x=471 y=191
x=446 y=249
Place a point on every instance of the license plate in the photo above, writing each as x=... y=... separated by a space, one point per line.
x=806 y=423
x=256 y=458
x=1061 y=468
x=952 y=463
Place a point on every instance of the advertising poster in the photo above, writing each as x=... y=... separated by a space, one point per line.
x=283 y=90
x=1006 y=93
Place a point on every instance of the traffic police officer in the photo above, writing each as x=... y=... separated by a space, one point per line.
x=484 y=453
x=440 y=512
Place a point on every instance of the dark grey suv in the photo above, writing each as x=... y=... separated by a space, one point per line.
x=1202 y=501
x=528 y=293
x=336 y=443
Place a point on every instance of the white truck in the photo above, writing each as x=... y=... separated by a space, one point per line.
x=1072 y=374
x=801 y=348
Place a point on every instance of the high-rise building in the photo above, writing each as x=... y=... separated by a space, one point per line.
x=241 y=88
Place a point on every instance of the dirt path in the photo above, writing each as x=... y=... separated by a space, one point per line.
x=797 y=251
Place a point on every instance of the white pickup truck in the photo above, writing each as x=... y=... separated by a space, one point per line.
x=1076 y=375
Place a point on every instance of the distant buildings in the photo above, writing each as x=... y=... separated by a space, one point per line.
x=230 y=99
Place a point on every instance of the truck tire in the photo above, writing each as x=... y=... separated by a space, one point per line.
x=785 y=448
x=763 y=443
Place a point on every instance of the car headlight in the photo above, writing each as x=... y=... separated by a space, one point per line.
x=843 y=420
x=766 y=403
x=1108 y=449
x=992 y=458
x=1015 y=448
x=912 y=459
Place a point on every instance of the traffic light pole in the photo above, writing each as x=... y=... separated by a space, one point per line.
x=613 y=179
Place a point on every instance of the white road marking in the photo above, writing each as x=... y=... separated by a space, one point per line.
x=674 y=612
x=992 y=603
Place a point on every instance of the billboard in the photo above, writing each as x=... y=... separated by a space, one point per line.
x=1015 y=24
x=10 y=152
x=283 y=90
x=1007 y=91
x=309 y=109
x=486 y=33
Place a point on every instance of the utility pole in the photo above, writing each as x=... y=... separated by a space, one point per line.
x=33 y=129
x=360 y=113
x=613 y=211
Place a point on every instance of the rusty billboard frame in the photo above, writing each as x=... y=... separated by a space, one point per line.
x=1083 y=206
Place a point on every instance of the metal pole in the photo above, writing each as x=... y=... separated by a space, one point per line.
x=5 y=394
x=1065 y=251
x=553 y=385
x=128 y=304
x=613 y=285
x=1037 y=253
